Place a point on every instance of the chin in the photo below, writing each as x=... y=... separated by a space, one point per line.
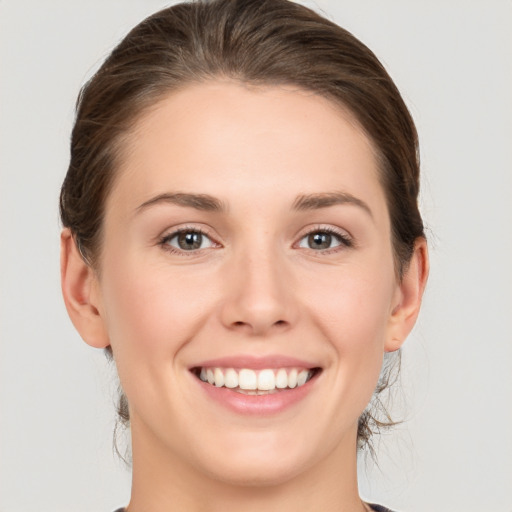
x=260 y=464
x=256 y=473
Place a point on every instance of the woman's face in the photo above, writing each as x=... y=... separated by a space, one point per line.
x=247 y=241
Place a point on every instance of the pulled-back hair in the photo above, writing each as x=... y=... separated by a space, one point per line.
x=259 y=42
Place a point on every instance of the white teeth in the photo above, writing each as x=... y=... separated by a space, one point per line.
x=301 y=378
x=266 y=380
x=247 y=379
x=292 y=378
x=219 y=377
x=231 y=378
x=281 y=379
x=256 y=382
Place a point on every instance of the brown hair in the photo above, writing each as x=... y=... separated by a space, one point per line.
x=261 y=42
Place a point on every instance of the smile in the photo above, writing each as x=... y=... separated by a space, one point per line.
x=255 y=382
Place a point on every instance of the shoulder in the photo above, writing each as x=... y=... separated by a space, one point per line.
x=379 y=508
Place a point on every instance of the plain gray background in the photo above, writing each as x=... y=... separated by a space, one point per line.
x=452 y=60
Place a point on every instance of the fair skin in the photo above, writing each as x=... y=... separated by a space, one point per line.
x=270 y=272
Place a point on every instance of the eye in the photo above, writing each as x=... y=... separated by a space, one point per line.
x=324 y=239
x=187 y=240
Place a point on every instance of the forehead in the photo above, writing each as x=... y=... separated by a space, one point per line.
x=231 y=140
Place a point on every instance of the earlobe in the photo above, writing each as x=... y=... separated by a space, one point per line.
x=81 y=295
x=410 y=292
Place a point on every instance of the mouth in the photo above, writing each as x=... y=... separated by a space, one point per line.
x=247 y=381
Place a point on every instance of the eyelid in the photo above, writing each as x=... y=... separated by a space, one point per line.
x=345 y=238
x=170 y=233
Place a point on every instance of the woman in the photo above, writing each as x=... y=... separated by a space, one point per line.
x=241 y=233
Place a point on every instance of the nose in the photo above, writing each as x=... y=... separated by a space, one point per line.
x=259 y=295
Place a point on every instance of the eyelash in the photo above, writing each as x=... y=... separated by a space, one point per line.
x=344 y=240
x=164 y=240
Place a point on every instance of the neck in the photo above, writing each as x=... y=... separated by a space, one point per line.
x=162 y=482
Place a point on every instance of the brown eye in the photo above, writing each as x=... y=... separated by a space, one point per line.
x=188 y=240
x=319 y=241
x=323 y=240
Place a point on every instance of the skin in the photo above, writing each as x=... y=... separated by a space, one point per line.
x=257 y=288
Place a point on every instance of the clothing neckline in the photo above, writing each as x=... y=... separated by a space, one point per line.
x=373 y=506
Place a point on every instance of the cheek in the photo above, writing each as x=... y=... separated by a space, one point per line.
x=353 y=306
x=152 y=314
x=352 y=310
x=150 y=310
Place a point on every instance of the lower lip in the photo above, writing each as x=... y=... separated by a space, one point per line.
x=257 y=404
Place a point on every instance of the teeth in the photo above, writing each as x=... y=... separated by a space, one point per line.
x=281 y=379
x=251 y=382
x=247 y=379
x=292 y=378
x=231 y=378
x=219 y=377
x=302 y=377
x=266 y=380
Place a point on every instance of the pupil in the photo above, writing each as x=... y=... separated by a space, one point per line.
x=189 y=241
x=320 y=240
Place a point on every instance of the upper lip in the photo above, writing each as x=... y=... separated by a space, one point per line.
x=255 y=362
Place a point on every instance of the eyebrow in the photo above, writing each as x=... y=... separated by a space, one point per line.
x=202 y=202
x=326 y=199
x=206 y=202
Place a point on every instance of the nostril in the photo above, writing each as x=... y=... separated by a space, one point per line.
x=278 y=323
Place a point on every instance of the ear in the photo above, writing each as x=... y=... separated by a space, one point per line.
x=80 y=289
x=407 y=301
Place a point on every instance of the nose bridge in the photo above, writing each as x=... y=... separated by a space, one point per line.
x=259 y=294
